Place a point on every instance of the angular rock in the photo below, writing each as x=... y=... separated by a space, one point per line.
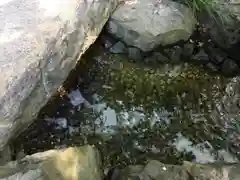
x=135 y=53
x=201 y=57
x=145 y=25
x=157 y=170
x=188 y=49
x=68 y=164
x=40 y=43
x=216 y=55
x=118 y=48
x=212 y=67
x=230 y=67
x=174 y=54
x=157 y=57
x=107 y=41
x=224 y=27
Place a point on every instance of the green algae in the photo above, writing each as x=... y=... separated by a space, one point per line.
x=188 y=91
x=185 y=86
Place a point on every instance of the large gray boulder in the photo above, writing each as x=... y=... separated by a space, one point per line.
x=145 y=25
x=68 y=164
x=40 y=43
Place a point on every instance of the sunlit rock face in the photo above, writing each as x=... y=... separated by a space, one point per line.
x=66 y=164
x=147 y=24
x=40 y=42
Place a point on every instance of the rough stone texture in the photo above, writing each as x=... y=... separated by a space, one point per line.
x=174 y=54
x=224 y=29
x=188 y=49
x=69 y=164
x=145 y=25
x=229 y=104
x=201 y=57
x=40 y=43
x=229 y=67
x=155 y=170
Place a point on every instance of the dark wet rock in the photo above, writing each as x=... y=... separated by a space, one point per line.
x=201 y=57
x=135 y=53
x=233 y=52
x=66 y=164
x=6 y=155
x=114 y=174
x=188 y=49
x=224 y=27
x=212 y=67
x=118 y=48
x=216 y=55
x=157 y=57
x=174 y=53
x=225 y=35
x=75 y=122
x=230 y=67
x=107 y=41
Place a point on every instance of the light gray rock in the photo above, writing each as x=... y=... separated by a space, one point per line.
x=67 y=164
x=145 y=25
x=40 y=43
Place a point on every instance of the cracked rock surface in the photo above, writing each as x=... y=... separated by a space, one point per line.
x=40 y=43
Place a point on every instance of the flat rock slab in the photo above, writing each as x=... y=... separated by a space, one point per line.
x=156 y=170
x=40 y=43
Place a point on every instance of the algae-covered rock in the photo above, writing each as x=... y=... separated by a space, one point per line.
x=69 y=164
x=183 y=86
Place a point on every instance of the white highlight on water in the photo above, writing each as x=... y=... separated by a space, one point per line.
x=202 y=154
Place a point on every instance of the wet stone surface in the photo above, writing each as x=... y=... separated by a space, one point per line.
x=134 y=112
